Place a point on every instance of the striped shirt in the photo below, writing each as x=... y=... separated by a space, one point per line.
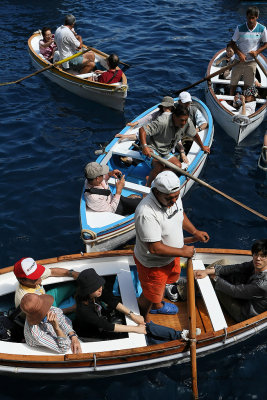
x=249 y=40
x=43 y=334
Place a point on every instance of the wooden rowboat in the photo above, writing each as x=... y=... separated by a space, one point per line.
x=237 y=127
x=112 y=96
x=105 y=231
x=131 y=354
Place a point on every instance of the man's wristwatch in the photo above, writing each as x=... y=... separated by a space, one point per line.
x=199 y=129
x=70 y=273
x=129 y=313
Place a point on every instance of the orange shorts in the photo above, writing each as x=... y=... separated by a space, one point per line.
x=153 y=280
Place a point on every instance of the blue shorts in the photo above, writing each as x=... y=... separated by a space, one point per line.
x=148 y=160
x=76 y=63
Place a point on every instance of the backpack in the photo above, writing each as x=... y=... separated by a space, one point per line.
x=10 y=331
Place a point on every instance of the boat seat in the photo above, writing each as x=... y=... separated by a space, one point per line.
x=210 y=299
x=99 y=219
x=131 y=186
x=227 y=97
x=123 y=148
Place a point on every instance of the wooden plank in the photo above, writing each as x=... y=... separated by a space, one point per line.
x=211 y=301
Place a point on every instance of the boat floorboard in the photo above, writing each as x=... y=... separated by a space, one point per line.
x=180 y=320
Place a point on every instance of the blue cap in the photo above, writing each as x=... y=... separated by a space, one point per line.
x=238 y=90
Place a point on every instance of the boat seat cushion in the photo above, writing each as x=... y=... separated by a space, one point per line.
x=210 y=298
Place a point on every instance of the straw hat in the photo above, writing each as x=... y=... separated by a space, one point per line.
x=36 y=307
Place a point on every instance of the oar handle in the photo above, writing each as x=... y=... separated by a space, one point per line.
x=203 y=183
x=191 y=308
x=220 y=71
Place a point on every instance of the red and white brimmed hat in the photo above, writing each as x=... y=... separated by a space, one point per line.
x=28 y=268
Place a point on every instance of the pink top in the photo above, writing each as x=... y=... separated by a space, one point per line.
x=97 y=202
x=47 y=51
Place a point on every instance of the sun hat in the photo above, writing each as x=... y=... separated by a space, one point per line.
x=88 y=282
x=36 y=306
x=93 y=170
x=167 y=101
x=27 y=268
x=251 y=91
x=166 y=182
x=185 y=97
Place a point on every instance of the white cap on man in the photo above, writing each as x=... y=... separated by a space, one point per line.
x=166 y=182
x=185 y=97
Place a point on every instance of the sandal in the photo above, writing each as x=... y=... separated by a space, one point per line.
x=167 y=308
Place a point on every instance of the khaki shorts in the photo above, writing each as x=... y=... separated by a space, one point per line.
x=247 y=69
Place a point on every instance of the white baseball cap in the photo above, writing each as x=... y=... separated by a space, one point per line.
x=185 y=97
x=166 y=182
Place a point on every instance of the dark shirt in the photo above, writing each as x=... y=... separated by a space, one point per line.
x=241 y=282
x=89 y=322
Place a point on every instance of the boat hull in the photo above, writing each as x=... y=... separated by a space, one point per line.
x=110 y=236
x=108 y=95
x=223 y=116
x=109 y=363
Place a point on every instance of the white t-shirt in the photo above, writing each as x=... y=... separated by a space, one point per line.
x=67 y=43
x=249 y=40
x=154 y=223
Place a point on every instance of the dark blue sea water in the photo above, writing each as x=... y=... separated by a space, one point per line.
x=48 y=135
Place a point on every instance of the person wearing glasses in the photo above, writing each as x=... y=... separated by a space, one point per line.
x=159 y=223
x=242 y=288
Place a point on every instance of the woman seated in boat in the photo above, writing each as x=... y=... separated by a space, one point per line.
x=243 y=104
x=47 y=326
x=98 y=195
x=47 y=45
x=95 y=319
x=113 y=74
x=94 y=306
x=226 y=58
x=242 y=288
x=248 y=101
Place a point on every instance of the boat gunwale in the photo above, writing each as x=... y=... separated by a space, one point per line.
x=120 y=357
x=56 y=70
x=211 y=91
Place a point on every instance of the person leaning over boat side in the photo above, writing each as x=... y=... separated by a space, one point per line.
x=46 y=326
x=159 y=223
x=30 y=276
x=47 y=45
x=162 y=135
x=242 y=288
x=92 y=319
x=98 y=195
x=68 y=42
x=249 y=40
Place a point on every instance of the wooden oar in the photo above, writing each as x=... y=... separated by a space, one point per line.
x=185 y=173
x=220 y=71
x=191 y=309
x=261 y=66
x=46 y=68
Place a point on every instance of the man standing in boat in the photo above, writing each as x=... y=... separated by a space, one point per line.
x=249 y=40
x=159 y=223
x=68 y=42
x=161 y=136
